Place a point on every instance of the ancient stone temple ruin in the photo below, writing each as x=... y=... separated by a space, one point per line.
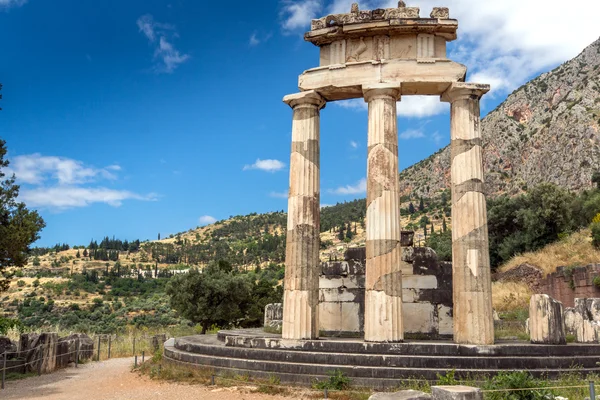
x=390 y=291
x=380 y=56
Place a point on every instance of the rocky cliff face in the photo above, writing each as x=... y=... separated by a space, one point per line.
x=545 y=131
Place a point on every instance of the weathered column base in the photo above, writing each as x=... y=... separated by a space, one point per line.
x=300 y=315
x=382 y=311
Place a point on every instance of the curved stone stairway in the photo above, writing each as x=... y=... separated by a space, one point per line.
x=378 y=365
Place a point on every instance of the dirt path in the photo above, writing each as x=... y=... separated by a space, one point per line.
x=113 y=380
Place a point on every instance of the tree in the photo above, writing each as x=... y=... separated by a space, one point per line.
x=411 y=208
x=421 y=205
x=85 y=252
x=19 y=227
x=211 y=297
x=159 y=236
x=444 y=227
x=78 y=255
x=596 y=179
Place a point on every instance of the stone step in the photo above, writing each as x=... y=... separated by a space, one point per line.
x=433 y=361
x=304 y=372
x=439 y=348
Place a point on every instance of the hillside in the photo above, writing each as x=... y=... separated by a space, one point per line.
x=545 y=131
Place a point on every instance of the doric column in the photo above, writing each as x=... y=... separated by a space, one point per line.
x=301 y=295
x=383 y=288
x=471 y=278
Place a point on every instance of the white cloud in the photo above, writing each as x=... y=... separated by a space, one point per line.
x=326 y=205
x=254 y=41
x=280 y=195
x=36 y=168
x=408 y=107
x=502 y=42
x=11 y=3
x=167 y=56
x=412 y=134
x=298 y=14
x=353 y=144
x=61 y=183
x=207 y=220
x=61 y=197
x=358 y=188
x=265 y=165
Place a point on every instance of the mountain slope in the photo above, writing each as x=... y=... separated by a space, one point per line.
x=545 y=131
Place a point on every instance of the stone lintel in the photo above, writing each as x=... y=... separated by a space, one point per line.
x=374 y=90
x=309 y=97
x=464 y=90
x=345 y=81
x=456 y=393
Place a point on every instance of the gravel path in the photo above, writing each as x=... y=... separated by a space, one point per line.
x=113 y=380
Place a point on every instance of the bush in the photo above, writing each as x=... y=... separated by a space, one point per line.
x=337 y=381
x=517 y=380
x=21 y=283
x=595 y=227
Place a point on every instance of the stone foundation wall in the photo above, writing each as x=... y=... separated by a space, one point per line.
x=567 y=284
x=426 y=295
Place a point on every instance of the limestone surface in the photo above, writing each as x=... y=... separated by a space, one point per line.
x=301 y=295
x=546 y=323
x=473 y=317
x=401 y=395
x=456 y=393
x=383 y=287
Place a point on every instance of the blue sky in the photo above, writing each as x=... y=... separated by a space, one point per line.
x=131 y=118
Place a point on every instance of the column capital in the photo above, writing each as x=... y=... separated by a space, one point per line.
x=379 y=90
x=464 y=91
x=309 y=97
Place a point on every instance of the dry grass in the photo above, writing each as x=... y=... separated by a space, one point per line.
x=573 y=250
x=509 y=296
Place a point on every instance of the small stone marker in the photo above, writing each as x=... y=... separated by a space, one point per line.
x=401 y=395
x=456 y=393
x=546 y=321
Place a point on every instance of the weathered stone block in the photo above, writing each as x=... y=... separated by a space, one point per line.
x=274 y=315
x=401 y=395
x=157 y=340
x=456 y=393
x=546 y=324
x=440 y=13
x=418 y=317
x=39 y=349
x=66 y=350
x=445 y=320
x=419 y=282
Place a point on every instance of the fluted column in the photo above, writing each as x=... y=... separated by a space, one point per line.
x=383 y=289
x=301 y=285
x=471 y=277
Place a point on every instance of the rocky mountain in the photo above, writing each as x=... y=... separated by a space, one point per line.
x=545 y=131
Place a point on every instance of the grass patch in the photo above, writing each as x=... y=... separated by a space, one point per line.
x=573 y=250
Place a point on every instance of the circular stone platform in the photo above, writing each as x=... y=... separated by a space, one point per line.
x=377 y=365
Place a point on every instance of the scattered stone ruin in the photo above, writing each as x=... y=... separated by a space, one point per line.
x=380 y=56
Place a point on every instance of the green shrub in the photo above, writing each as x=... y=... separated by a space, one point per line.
x=448 y=379
x=516 y=380
x=337 y=381
x=595 y=227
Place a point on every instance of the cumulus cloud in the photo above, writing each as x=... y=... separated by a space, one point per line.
x=167 y=57
x=265 y=165
x=358 y=188
x=298 y=14
x=207 y=220
x=11 y=3
x=408 y=107
x=60 y=197
x=503 y=43
x=353 y=144
x=36 y=168
x=60 y=183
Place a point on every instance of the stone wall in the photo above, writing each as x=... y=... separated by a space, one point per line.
x=567 y=284
x=426 y=295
